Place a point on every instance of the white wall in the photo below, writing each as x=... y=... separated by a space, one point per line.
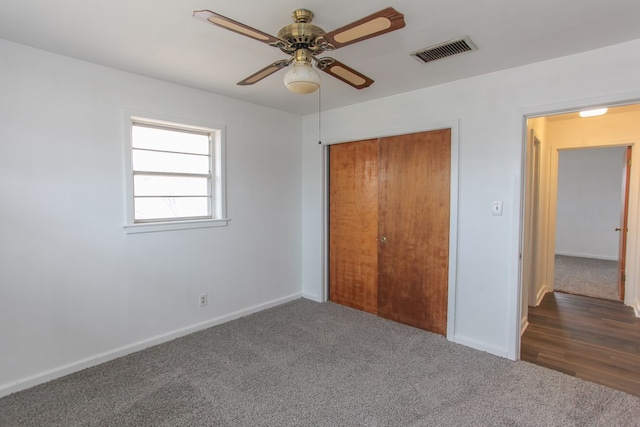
x=74 y=289
x=589 y=202
x=490 y=111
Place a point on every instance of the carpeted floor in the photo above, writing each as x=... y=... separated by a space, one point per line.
x=587 y=276
x=310 y=364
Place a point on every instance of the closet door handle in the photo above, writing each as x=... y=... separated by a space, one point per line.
x=383 y=239
x=617 y=229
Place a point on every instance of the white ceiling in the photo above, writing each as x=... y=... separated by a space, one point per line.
x=160 y=39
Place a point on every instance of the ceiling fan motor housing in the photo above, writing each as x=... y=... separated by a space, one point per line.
x=302 y=15
x=302 y=34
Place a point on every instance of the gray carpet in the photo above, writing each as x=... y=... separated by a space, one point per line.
x=587 y=276
x=310 y=364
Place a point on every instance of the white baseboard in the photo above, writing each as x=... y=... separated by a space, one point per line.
x=540 y=295
x=636 y=308
x=524 y=323
x=478 y=345
x=312 y=297
x=51 y=374
x=581 y=255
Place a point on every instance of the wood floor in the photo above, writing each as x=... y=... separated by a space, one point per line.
x=593 y=339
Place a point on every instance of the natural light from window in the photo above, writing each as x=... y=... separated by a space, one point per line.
x=172 y=173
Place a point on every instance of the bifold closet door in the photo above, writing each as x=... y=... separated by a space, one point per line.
x=353 y=225
x=413 y=259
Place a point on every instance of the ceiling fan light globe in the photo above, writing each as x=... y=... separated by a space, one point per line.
x=302 y=79
x=302 y=88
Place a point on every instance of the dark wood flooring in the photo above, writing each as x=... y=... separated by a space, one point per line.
x=589 y=338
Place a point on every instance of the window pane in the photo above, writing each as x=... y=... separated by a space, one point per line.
x=151 y=161
x=169 y=140
x=171 y=207
x=153 y=185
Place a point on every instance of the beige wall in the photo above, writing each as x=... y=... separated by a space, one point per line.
x=534 y=273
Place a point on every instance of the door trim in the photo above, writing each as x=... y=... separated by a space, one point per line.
x=453 y=206
x=624 y=221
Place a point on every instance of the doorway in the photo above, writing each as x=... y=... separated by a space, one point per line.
x=591 y=195
x=547 y=138
x=562 y=330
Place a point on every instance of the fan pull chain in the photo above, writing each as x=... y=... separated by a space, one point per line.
x=320 y=115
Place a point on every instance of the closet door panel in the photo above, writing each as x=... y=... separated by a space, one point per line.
x=353 y=224
x=414 y=185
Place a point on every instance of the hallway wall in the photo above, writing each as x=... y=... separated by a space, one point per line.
x=589 y=202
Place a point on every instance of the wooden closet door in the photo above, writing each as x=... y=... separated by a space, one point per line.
x=353 y=224
x=413 y=262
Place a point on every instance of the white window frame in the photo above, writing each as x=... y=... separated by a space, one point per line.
x=217 y=182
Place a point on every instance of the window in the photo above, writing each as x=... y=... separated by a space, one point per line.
x=175 y=176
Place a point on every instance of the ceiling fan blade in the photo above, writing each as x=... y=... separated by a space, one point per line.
x=235 y=26
x=381 y=22
x=265 y=72
x=345 y=73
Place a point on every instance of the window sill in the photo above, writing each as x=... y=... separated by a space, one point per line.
x=153 y=227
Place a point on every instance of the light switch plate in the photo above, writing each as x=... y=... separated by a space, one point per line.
x=496 y=208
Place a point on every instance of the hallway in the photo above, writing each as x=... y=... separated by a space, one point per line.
x=593 y=339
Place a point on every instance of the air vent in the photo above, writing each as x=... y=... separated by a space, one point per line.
x=443 y=50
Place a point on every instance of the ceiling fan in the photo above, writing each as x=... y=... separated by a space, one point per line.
x=303 y=42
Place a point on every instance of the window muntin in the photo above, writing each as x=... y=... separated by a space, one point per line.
x=175 y=173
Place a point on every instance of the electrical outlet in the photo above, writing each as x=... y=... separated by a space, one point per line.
x=204 y=299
